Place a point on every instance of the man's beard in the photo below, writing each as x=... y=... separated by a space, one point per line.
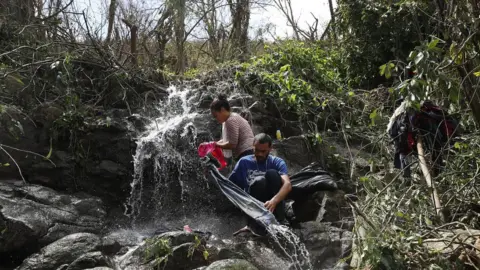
x=261 y=159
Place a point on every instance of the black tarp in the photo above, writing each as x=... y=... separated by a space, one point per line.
x=248 y=204
x=307 y=181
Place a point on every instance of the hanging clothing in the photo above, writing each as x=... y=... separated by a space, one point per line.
x=434 y=124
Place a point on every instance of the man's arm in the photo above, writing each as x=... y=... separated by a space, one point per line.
x=284 y=190
x=281 y=195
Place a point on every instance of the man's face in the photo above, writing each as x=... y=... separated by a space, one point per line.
x=262 y=150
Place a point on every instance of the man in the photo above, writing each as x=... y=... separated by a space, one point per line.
x=264 y=177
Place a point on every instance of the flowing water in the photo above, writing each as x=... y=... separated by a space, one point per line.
x=290 y=246
x=158 y=165
x=169 y=185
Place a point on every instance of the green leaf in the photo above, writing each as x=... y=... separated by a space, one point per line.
x=285 y=68
x=318 y=138
x=388 y=72
x=17 y=79
x=428 y=221
x=419 y=58
x=433 y=44
x=477 y=73
x=324 y=103
x=351 y=94
x=382 y=69
x=364 y=179
x=205 y=255
x=373 y=117
x=399 y=214
x=50 y=151
x=5 y=164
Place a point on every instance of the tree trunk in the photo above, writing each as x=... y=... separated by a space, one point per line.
x=179 y=8
x=470 y=87
x=20 y=12
x=133 y=40
x=332 y=20
x=240 y=12
x=111 y=19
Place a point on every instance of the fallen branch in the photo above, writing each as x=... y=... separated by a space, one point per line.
x=428 y=179
x=14 y=161
x=29 y=152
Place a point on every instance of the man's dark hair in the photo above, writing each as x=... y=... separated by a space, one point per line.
x=219 y=103
x=263 y=138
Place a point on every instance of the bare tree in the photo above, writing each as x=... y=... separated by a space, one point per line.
x=163 y=32
x=285 y=6
x=179 y=29
x=240 y=13
x=332 y=19
x=111 y=19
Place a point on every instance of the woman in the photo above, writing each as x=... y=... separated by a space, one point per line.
x=237 y=135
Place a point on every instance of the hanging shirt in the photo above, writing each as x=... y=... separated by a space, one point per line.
x=248 y=169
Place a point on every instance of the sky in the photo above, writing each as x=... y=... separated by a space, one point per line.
x=95 y=10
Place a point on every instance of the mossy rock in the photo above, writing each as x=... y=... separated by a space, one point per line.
x=231 y=264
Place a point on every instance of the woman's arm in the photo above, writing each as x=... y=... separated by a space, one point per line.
x=225 y=145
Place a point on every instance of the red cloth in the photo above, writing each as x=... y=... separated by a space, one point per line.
x=210 y=147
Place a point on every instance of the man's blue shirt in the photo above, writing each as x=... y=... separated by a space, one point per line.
x=247 y=169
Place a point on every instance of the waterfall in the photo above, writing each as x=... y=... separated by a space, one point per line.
x=168 y=183
x=163 y=156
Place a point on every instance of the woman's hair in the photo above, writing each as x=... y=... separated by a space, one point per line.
x=219 y=103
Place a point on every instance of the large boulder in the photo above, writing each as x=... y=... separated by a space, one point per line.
x=298 y=152
x=33 y=216
x=171 y=250
x=64 y=251
x=326 y=244
x=94 y=155
x=231 y=264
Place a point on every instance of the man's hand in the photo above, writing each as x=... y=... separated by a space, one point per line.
x=271 y=204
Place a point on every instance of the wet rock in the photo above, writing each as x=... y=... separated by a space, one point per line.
x=63 y=251
x=35 y=216
x=262 y=256
x=240 y=100
x=231 y=264
x=205 y=100
x=89 y=260
x=326 y=244
x=297 y=152
x=109 y=169
x=269 y=124
x=324 y=206
x=171 y=250
x=258 y=252
x=107 y=136
x=110 y=246
x=139 y=122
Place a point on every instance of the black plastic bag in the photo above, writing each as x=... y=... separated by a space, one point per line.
x=248 y=204
x=310 y=180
